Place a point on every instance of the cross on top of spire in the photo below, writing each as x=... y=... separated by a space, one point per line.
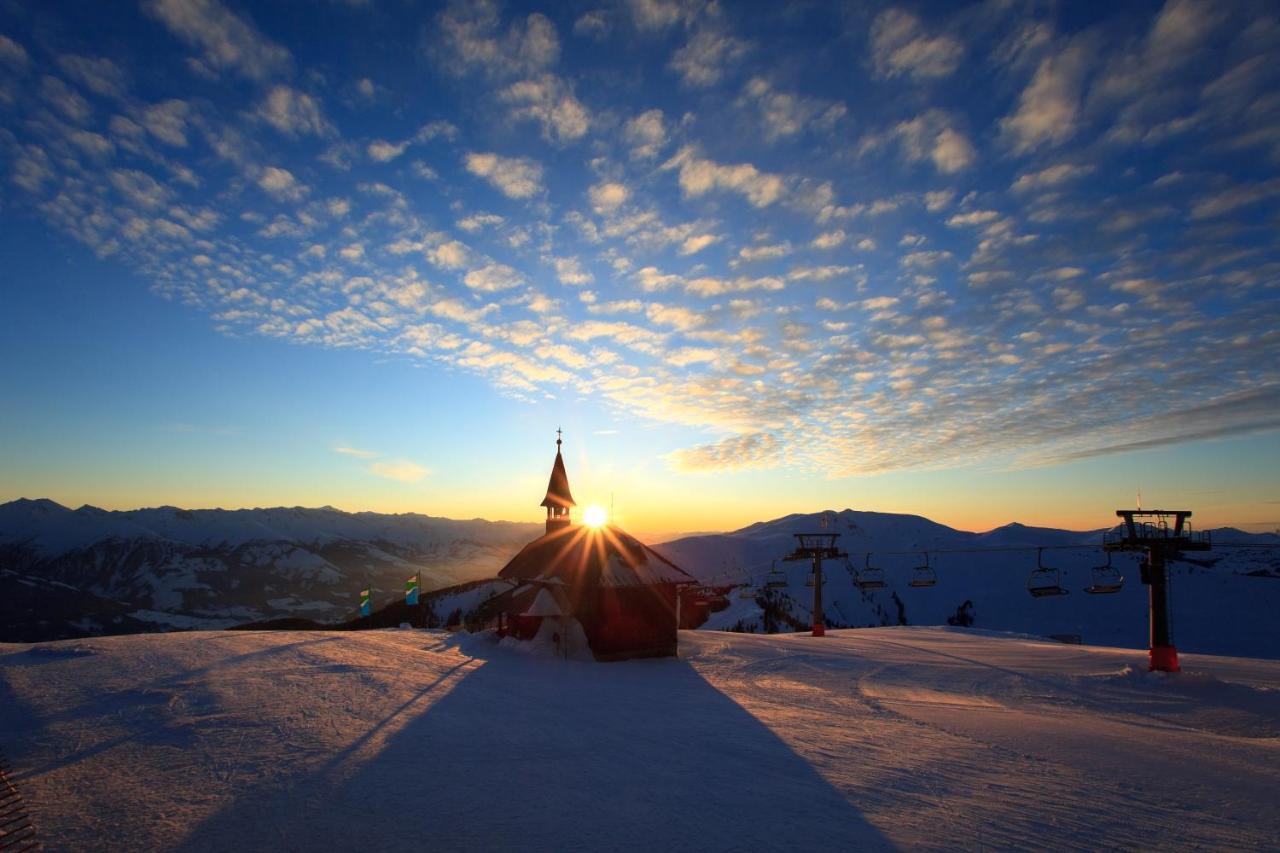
x=558 y=433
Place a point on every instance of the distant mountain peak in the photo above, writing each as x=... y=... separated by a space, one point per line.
x=36 y=504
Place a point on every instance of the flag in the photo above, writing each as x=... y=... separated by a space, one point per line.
x=366 y=601
x=411 y=589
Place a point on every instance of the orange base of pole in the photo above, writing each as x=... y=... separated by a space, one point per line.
x=819 y=630
x=1164 y=659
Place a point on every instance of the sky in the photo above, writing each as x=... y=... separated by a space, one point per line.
x=981 y=262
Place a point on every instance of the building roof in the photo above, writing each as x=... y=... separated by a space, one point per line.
x=558 y=493
x=585 y=556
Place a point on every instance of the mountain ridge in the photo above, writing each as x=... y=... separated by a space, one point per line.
x=69 y=573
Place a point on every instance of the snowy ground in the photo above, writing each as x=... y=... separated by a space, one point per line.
x=893 y=737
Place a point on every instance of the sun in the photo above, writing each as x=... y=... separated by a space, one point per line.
x=595 y=516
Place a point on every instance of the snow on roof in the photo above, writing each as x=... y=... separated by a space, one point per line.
x=545 y=604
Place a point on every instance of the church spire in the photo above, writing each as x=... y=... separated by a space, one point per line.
x=559 y=498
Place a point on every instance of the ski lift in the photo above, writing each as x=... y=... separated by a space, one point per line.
x=777 y=578
x=1045 y=580
x=870 y=577
x=1106 y=579
x=923 y=575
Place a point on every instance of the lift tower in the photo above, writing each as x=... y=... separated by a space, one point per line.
x=816 y=547
x=1149 y=531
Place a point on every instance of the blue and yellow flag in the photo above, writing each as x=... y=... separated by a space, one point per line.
x=411 y=589
x=366 y=601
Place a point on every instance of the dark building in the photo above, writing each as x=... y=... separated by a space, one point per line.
x=621 y=591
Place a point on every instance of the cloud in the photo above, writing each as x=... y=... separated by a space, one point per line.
x=676 y=316
x=449 y=255
x=1049 y=108
x=281 y=185
x=699 y=176
x=1238 y=413
x=607 y=197
x=472 y=38
x=514 y=177
x=697 y=243
x=293 y=113
x=65 y=100
x=753 y=450
x=382 y=151
x=402 y=470
x=900 y=46
x=938 y=200
x=1233 y=198
x=658 y=15
x=139 y=188
x=493 y=277
x=974 y=217
x=226 y=41
x=931 y=136
x=167 y=122
x=786 y=114
x=593 y=25
x=353 y=451
x=96 y=74
x=766 y=252
x=829 y=239
x=1051 y=177
x=479 y=221
x=646 y=134
x=570 y=272
x=550 y=102
x=12 y=53
x=704 y=59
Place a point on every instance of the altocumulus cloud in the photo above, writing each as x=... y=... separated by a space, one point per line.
x=754 y=450
x=932 y=275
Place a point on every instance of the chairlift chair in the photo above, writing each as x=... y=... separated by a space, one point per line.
x=1106 y=579
x=870 y=577
x=923 y=575
x=1045 y=580
x=809 y=579
x=777 y=578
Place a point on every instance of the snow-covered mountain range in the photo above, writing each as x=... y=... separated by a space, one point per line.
x=69 y=573
x=1224 y=600
x=66 y=573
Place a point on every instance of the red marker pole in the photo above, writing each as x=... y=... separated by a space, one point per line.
x=1164 y=657
x=819 y=623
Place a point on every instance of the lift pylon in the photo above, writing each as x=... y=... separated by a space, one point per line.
x=1149 y=531
x=816 y=547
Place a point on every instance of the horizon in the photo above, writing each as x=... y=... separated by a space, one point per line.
x=986 y=264
x=609 y=520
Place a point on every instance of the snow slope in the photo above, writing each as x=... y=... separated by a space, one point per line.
x=1224 y=601
x=895 y=737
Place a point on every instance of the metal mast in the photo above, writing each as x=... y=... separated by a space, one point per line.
x=816 y=547
x=1159 y=542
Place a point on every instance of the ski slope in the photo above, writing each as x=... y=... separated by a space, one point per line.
x=928 y=738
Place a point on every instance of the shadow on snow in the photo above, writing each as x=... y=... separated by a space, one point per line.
x=543 y=755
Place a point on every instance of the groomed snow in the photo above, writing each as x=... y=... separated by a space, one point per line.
x=894 y=737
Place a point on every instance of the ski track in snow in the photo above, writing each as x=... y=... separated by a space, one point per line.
x=876 y=738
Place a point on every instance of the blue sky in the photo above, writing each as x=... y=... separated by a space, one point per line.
x=982 y=262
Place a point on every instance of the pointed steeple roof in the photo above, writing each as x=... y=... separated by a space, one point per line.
x=558 y=493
